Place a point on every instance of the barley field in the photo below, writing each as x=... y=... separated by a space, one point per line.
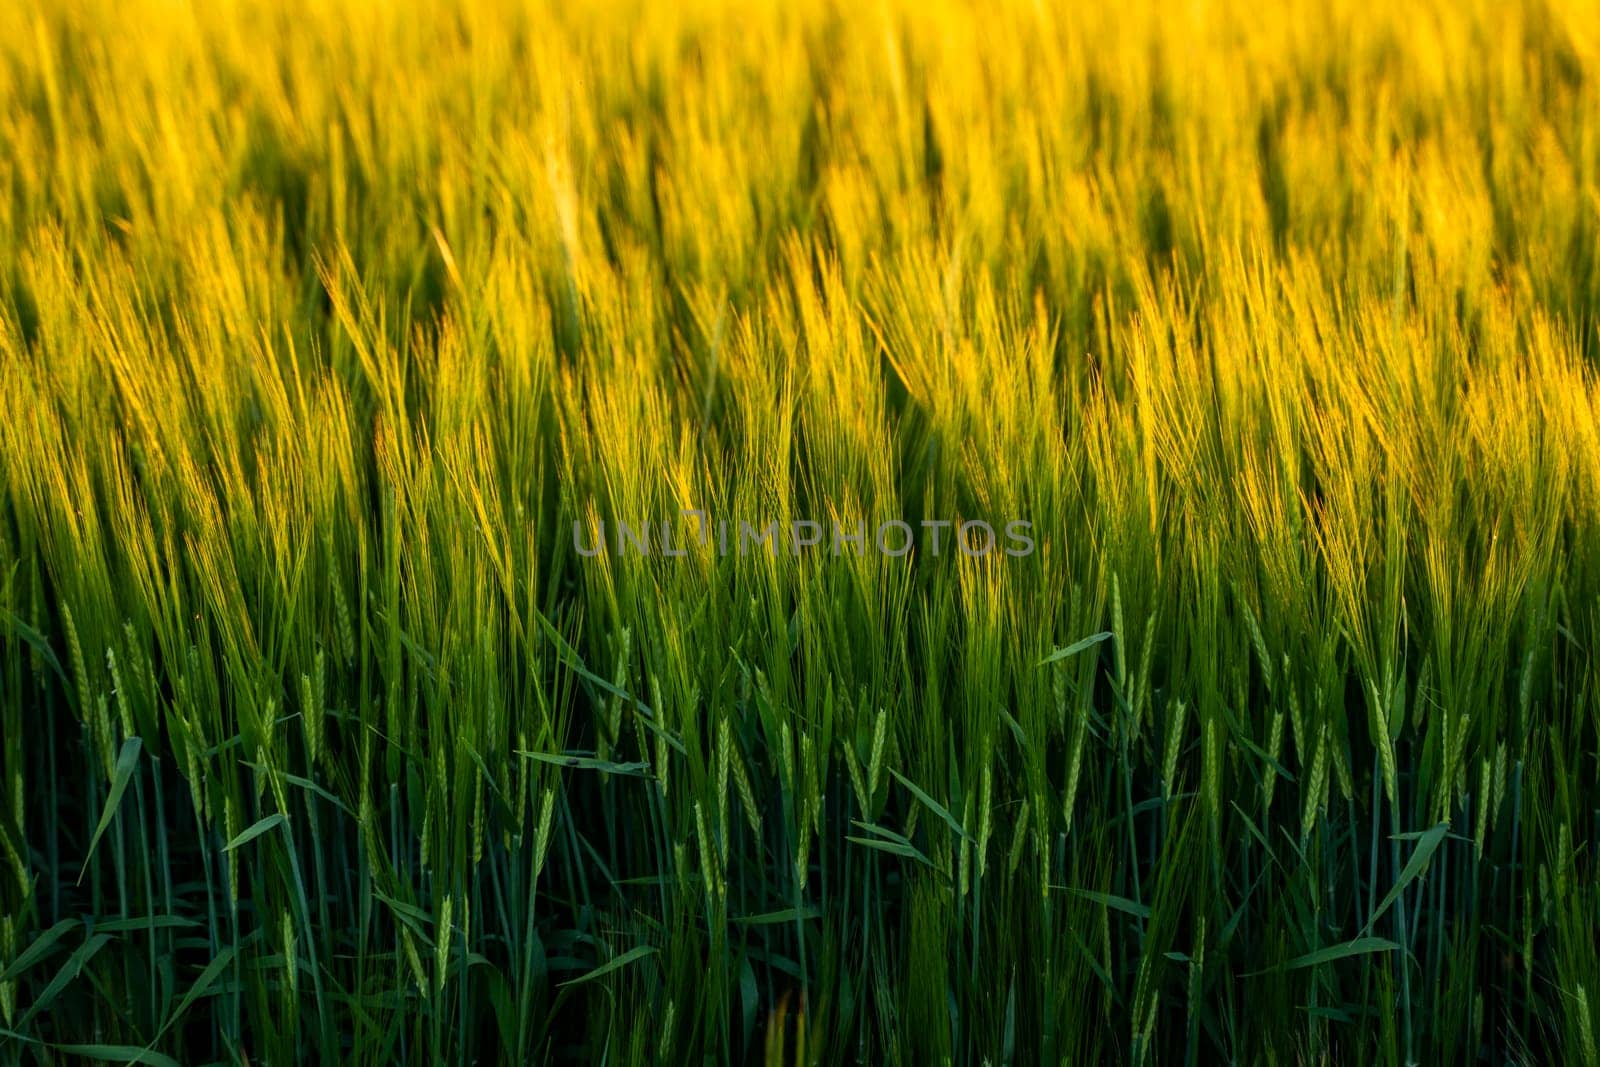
x=369 y=694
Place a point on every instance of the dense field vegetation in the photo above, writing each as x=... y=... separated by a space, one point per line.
x=321 y=324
